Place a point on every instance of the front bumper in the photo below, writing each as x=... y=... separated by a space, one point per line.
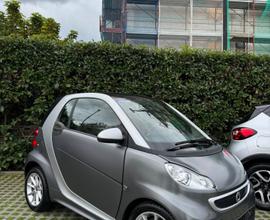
x=230 y=199
x=243 y=210
x=250 y=215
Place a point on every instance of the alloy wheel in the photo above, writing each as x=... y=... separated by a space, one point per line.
x=260 y=180
x=150 y=216
x=34 y=189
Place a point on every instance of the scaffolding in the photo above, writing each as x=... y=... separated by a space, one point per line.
x=249 y=26
x=238 y=25
x=112 y=21
x=142 y=22
x=262 y=31
x=196 y=23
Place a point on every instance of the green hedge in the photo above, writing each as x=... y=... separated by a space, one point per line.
x=214 y=89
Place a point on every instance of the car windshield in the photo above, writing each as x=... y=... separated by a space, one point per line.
x=160 y=126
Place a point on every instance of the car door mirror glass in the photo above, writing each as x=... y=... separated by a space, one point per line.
x=111 y=135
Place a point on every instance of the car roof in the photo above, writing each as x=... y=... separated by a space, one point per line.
x=262 y=107
x=119 y=95
x=113 y=95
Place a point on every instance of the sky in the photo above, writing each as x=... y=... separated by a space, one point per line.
x=79 y=15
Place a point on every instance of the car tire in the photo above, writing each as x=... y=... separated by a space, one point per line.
x=257 y=175
x=149 y=210
x=36 y=191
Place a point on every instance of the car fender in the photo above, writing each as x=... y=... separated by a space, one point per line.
x=35 y=158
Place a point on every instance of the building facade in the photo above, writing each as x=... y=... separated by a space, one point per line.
x=238 y=25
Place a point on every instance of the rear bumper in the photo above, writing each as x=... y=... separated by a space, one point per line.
x=239 y=149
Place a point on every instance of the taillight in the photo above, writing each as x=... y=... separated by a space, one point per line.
x=242 y=133
x=34 y=141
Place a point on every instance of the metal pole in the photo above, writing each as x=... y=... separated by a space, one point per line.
x=225 y=24
x=158 y=31
x=191 y=24
x=124 y=21
x=254 y=23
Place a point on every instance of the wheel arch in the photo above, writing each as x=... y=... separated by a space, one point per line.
x=36 y=159
x=138 y=201
x=30 y=165
x=256 y=159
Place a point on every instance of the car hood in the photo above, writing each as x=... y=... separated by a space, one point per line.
x=222 y=168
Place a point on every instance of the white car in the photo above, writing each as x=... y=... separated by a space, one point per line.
x=250 y=142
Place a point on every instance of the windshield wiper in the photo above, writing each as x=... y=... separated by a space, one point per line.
x=191 y=143
x=201 y=140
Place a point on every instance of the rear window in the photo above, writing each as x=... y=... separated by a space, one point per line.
x=267 y=110
x=259 y=109
x=245 y=118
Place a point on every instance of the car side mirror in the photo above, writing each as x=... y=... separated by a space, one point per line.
x=111 y=135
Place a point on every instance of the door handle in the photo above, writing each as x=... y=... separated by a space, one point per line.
x=58 y=127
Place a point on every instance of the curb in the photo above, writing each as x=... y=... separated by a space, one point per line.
x=11 y=172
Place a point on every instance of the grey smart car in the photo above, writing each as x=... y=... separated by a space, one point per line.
x=135 y=158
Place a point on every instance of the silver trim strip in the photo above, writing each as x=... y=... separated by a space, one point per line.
x=212 y=200
x=47 y=133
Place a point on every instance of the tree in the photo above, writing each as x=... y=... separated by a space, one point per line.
x=72 y=36
x=15 y=23
x=36 y=22
x=2 y=24
x=50 y=28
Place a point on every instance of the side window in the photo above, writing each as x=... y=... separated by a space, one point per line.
x=66 y=113
x=92 y=116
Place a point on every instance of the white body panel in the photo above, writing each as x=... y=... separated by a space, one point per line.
x=257 y=144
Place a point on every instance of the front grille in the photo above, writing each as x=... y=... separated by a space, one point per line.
x=231 y=199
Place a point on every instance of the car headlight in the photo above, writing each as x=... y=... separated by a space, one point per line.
x=189 y=178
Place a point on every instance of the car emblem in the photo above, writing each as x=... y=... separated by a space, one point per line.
x=238 y=196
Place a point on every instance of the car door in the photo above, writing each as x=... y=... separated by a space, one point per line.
x=91 y=169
